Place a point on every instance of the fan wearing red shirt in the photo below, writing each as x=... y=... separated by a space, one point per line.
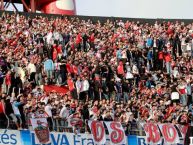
x=71 y=87
x=120 y=69
x=160 y=59
x=59 y=51
x=92 y=39
x=54 y=54
x=2 y=107
x=2 y=112
x=8 y=81
x=75 y=69
x=69 y=67
x=168 y=59
x=127 y=25
x=78 y=41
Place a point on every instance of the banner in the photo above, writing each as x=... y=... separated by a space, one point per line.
x=26 y=137
x=165 y=134
x=10 y=137
x=98 y=131
x=69 y=139
x=116 y=133
x=40 y=114
x=183 y=129
x=152 y=133
x=169 y=133
x=141 y=140
x=40 y=126
x=74 y=121
x=87 y=139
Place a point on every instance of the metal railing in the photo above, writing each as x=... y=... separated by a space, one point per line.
x=59 y=125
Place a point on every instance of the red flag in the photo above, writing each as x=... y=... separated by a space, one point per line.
x=169 y=111
x=2 y=107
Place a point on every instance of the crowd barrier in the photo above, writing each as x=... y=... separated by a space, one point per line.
x=132 y=128
x=27 y=137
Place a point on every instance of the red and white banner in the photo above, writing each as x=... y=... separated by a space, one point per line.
x=40 y=114
x=116 y=133
x=169 y=132
x=115 y=129
x=74 y=121
x=183 y=129
x=40 y=126
x=152 y=133
x=98 y=131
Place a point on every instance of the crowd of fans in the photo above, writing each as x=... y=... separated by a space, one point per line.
x=122 y=71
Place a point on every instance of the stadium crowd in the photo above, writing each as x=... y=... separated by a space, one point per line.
x=122 y=71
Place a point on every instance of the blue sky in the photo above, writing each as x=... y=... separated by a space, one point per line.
x=182 y=9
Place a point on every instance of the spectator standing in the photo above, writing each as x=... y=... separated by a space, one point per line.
x=48 y=68
x=84 y=89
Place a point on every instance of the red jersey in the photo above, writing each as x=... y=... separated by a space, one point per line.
x=160 y=55
x=78 y=39
x=75 y=69
x=54 y=54
x=120 y=68
x=70 y=84
x=126 y=25
x=8 y=79
x=59 y=49
x=2 y=109
x=167 y=57
x=69 y=68
x=92 y=37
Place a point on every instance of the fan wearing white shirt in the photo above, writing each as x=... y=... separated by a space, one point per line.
x=84 y=89
x=48 y=110
x=65 y=111
x=78 y=86
x=49 y=38
x=176 y=73
x=31 y=70
x=57 y=72
x=16 y=110
x=31 y=67
x=129 y=75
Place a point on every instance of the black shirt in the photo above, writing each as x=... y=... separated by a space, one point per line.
x=111 y=86
x=38 y=68
x=125 y=87
x=8 y=107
